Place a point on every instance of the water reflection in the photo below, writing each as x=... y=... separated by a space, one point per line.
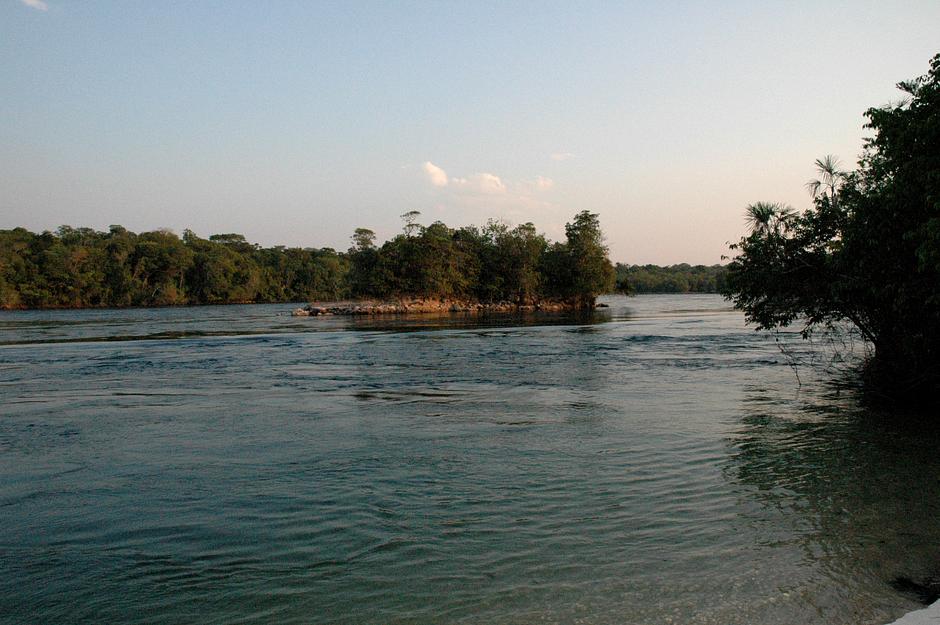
x=458 y=321
x=80 y=326
x=667 y=469
x=856 y=490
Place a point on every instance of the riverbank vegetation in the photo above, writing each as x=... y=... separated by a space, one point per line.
x=81 y=267
x=867 y=252
x=682 y=278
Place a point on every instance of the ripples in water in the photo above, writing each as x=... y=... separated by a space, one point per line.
x=655 y=464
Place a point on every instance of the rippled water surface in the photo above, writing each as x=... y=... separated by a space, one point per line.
x=655 y=463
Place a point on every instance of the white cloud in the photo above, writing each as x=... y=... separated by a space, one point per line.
x=511 y=206
x=562 y=156
x=39 y=5
x=436 y=175
x=484 y=195
x=541 y=182
x=534 y=186
x=482 y=183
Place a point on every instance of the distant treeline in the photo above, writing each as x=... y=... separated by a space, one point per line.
x=681 y=278
x=81 y=267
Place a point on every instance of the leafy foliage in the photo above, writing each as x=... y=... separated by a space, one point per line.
x=868 y=251
x=75 y=268
x=682 y=278
x=495 y=263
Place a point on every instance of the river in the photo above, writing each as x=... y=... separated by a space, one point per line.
x=656 y=462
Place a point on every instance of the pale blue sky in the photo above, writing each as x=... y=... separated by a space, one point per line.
x=296 y=122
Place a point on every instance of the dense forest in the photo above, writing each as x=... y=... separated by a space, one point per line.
x=867 y=252
x=682 y=278
x=81 y=267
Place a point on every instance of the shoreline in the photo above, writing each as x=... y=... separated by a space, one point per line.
x=925 y=616
x=427 y=306
x=505 y=306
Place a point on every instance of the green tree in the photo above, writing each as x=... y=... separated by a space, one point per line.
x=524 y=250
x=221 y=271
x=411 y=222
x=590 y=272
x=766 y=217
x=831 y=178
x=364 y=278
x=119 y=283
x=868 y=251
x=16 y=268
x=76 y=267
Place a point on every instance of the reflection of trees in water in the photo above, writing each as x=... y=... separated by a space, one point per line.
x=836 y=353
x=857 y=491
x=511 y=368
x=472 y=321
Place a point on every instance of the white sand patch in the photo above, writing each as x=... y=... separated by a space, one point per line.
x=928 y=616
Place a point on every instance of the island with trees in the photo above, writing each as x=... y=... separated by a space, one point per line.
x=867 y=253
x=491 y=267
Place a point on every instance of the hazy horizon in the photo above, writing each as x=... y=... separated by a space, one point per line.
x=294 y=123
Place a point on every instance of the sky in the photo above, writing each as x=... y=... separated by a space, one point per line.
x=294 y=123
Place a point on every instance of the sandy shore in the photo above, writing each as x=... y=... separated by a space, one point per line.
x=928 y=616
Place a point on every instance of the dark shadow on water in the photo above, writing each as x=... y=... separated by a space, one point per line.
x=116 y=330
x=860 y=487
x=156 y=336
x=926 y=591
x=464 y=321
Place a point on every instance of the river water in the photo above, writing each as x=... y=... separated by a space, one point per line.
x=657 y=462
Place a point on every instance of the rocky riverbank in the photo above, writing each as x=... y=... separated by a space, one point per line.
x=422 y=306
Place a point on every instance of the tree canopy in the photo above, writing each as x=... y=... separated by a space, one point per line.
x=75 y=268
x=495 y=263
x=867 y=252
x=681 y=278
x=80 y=267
